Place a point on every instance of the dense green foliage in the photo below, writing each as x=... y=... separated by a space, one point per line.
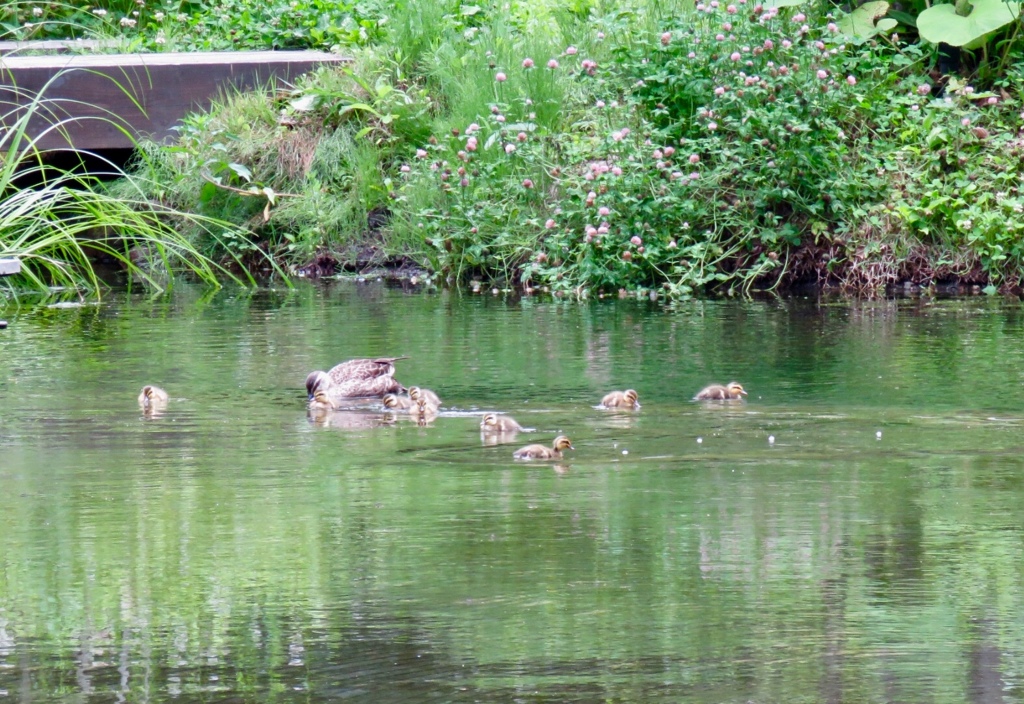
x=588 y=147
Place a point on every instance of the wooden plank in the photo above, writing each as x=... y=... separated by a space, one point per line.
x=56 y=46
x=8 y=267
x=92 y=100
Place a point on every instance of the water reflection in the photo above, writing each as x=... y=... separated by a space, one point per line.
x=229 y=549
x=349 y=420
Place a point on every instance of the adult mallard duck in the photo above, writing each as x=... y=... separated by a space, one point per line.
x=493 y=423
x=152 y=397
x=356 y=378
x=394 y=402
x=415 y=393
x=621 y=399
x=717 y=392
x=540 y=452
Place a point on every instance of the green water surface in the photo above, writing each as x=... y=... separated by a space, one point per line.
x=854 y=532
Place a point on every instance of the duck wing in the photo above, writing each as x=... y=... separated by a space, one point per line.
x=534 y=452
x=377 y=386
x=715 y=392
x=356 y=369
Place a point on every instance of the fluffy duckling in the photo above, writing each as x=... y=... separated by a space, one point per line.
x=423 y=411
x=493 y=423
x=393 y=402
x=621 y=399
x=357 y=378
x=717 y=392
x=540 y=452
x=152 y=397
x=415 y=393
x=321 y=401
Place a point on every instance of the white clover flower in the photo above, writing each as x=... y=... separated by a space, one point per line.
x=37 y=12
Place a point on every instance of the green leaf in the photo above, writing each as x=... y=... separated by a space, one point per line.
x=304 y=103
x=903 y=17
x=207 y=192
x=860 y=25
x=358 y=106
x=941 y=24
x=240 y=170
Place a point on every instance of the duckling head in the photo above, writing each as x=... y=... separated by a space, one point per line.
x=563 y=443
x=630 y=397
x=321 y=400
x=414 y=393
x=152 y=397
x=390 y=401
x=735 y=389
x=490 y=420
x=316 y=380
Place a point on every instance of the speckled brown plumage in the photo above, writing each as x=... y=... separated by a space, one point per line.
x=356 y=378
x=493 y=423
x=540 y=452
x=621 y=399
x=717 y=392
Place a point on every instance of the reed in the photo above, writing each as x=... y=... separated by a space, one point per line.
x=62 y=224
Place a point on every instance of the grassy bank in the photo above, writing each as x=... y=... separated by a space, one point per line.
x=593 y=147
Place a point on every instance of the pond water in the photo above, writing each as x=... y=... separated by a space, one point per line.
x=235 y=549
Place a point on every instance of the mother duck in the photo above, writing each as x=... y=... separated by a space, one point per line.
x=356 y=378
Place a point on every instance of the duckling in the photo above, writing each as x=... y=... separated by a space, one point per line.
x=717 y=392
x=424 y=406
x=493 y=423
x=540 y=452
x=393 y=402
x=423 y=411
x=357 y=378
x=321 y=401
x=416 y=392
x=152 y=397
x=621 y=399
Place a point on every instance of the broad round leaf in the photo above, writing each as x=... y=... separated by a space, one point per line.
x=860 y=25
x=941 y=24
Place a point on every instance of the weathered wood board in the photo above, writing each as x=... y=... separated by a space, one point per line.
x=9 y=267
x=97 y=98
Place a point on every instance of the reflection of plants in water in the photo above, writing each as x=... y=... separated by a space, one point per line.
x=65 y=224
x=245 y=545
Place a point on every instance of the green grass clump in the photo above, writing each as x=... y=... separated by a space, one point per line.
x=63 y=224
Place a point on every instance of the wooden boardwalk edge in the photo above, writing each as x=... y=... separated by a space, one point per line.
x=106 y=101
